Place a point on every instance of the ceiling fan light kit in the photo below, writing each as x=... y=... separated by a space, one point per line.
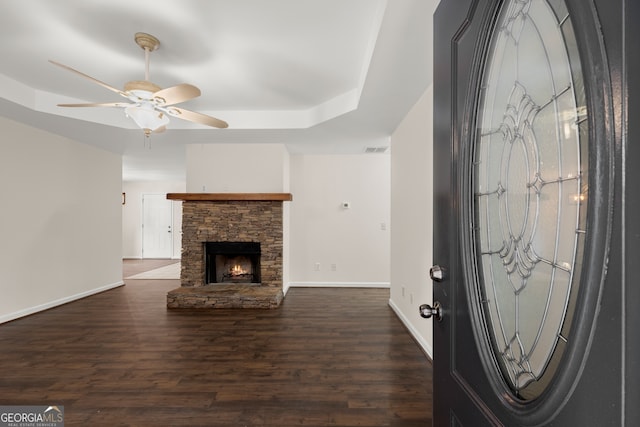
x=149 y=105
x=146 y=117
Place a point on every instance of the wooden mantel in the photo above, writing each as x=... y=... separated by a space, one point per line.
x=228 y=197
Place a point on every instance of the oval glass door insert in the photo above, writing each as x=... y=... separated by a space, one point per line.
x=530 y=190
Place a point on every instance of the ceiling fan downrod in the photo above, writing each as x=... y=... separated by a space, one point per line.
x=148 y=43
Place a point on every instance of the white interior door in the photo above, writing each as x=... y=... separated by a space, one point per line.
x=157 y=230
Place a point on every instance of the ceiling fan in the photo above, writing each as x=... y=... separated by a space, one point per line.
x=149 y=105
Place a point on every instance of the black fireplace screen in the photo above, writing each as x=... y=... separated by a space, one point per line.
x=232 y=262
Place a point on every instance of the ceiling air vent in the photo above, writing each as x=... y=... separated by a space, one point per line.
x=376 y=149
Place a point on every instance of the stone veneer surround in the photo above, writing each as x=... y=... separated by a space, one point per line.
x=230 y=218
x=233 y=221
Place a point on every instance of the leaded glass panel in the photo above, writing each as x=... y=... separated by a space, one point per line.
x=530 y=189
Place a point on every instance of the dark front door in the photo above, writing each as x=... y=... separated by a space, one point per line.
x=537 y=206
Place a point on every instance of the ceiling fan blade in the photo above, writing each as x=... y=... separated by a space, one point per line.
x=104 y=85
x=176 y=94
x=192 y=116
x=161 y=129
x=106 y=104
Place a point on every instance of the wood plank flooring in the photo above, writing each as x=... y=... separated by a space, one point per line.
x=326 y=357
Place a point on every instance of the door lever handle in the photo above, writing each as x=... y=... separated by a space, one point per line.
x=427 y=311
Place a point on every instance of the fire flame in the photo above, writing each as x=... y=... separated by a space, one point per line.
x=237 y=270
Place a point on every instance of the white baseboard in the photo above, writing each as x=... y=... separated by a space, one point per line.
x=31 y=310
x=426 y=347
x=335 y=285
x=339 y=285
x=382 y=285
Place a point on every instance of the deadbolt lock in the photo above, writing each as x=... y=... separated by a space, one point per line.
x=437 y=273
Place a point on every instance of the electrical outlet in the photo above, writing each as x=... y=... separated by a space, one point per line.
x=403 y=292
x=334 y=267
x=317 y=266
x=410 y=298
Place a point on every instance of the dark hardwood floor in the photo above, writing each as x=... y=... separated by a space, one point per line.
x=326 y=357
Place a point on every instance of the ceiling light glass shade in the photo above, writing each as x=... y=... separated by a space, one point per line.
x=146 y=117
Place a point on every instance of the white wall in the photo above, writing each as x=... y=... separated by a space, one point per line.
x=412 y=217
x=132 y=215
x=237 y=168
x=324 y=234
x=316 y=227
x=60 y=220
x=286 y=221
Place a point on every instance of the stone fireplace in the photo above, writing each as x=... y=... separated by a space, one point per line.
x=232 y=250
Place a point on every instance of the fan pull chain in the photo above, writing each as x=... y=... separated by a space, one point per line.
x=146 y=141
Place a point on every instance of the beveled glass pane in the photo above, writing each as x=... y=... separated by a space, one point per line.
x=530 y=189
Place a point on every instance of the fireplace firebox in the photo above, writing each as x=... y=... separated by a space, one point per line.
x=232 y=262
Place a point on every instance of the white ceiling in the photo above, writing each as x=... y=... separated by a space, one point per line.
x=321 y=76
